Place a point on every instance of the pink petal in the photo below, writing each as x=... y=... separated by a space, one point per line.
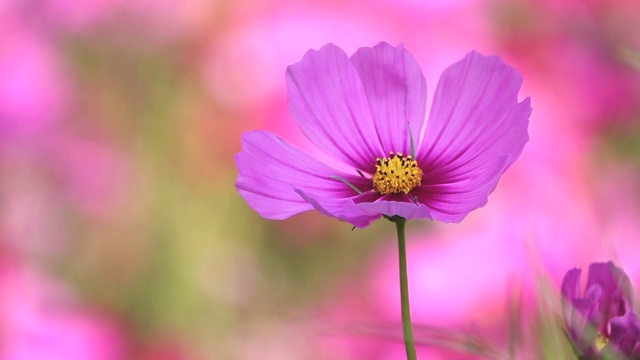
x=270 y=170
x=571 y=284
x=570 y=291
x=328 y=100
x=362 y=210
x=396 y=92
x=451 y=198
x=407 y=210
x=616 y=290
x=341 y=209
x=476 y=130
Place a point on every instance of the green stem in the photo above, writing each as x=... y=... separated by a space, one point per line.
x=404 y=291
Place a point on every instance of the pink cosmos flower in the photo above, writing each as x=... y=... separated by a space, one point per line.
x=368 y=113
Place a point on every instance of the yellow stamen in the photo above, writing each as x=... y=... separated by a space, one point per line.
x=396 y=174
x=601 y=341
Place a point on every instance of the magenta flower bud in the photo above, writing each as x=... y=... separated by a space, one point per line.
x=601 y=319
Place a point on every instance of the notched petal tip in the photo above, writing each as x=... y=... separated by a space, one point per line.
x=396 y=92
x=327 y=99
x=313 y=54
x=476 y=130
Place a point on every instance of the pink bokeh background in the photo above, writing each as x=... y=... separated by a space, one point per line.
x=122 y=236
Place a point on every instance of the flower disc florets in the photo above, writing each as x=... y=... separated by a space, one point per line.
x=396 y=174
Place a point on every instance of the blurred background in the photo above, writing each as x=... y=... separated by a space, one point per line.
x=122 y=235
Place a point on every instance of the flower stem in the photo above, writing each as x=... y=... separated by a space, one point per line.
x=404 y=291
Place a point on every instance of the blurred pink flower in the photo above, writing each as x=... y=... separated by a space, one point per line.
x=53 y=176
x=95 y=175
x=140 y=22
x=38 y=320
x=242 y=69
x=33 y=86
x=580 y=50
x=165 y=21
x=51 y=168
x=68 y=15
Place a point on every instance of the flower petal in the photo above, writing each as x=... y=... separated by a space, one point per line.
x=328 y=100
x=362 y=210
x=624 y=341
x=571 y=285
x=341 y=209
x=407 y=210
x=616 y=292
x=581 y=329
x=396 y=92
x=270 y=170
x=452 y=198
x=577 y=310
x=476 y=130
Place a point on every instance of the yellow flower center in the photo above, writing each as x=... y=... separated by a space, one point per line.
x=396 y=174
